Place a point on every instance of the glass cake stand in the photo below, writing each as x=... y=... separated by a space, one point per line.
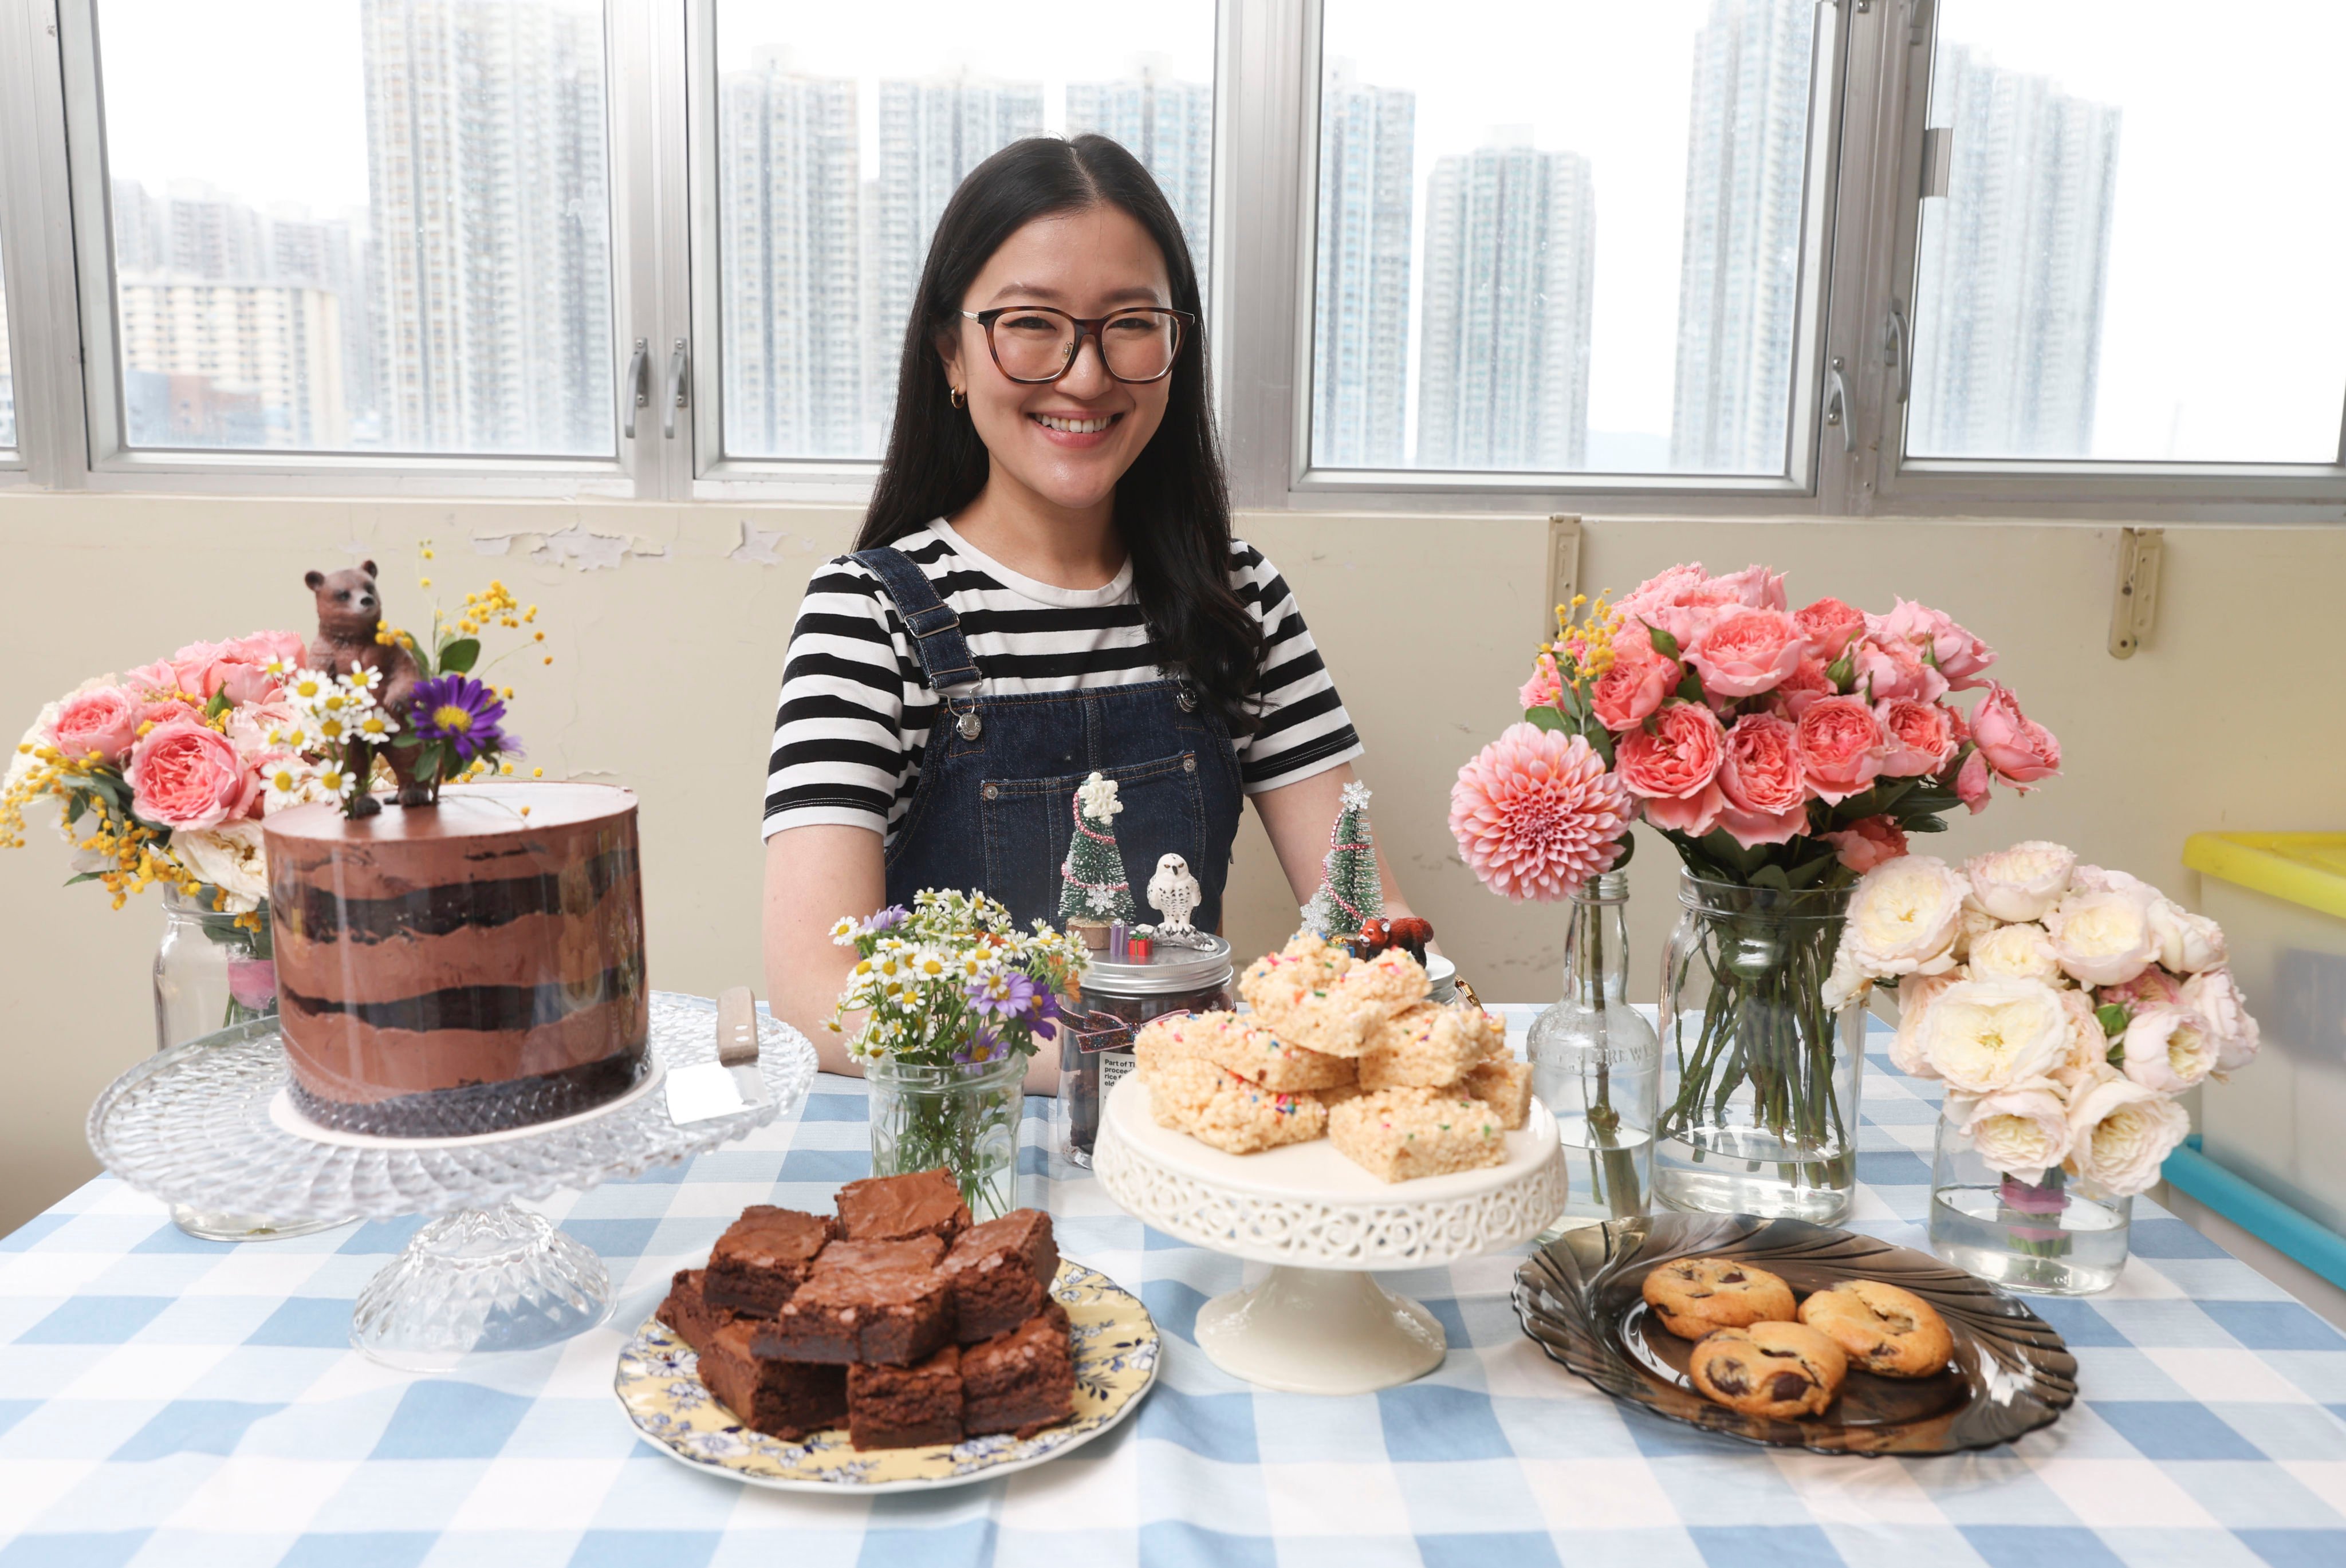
x=1318 y=1324
x=208 y=1124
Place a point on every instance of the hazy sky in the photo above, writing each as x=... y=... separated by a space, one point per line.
x=2224 y=336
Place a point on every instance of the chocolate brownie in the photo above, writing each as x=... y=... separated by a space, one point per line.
x=905 y=1407
x=1021 y=1381
x=889 y=1208
x=688 y=1313
x=764 y=1257
x=1000 y=1273
x=850 y=1315
x=784 y=1398
x=914 y=1252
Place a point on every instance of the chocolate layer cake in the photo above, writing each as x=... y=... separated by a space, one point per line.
x=461 y=968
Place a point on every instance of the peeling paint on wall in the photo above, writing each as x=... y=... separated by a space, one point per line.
x=578 y=547
x=756 y=545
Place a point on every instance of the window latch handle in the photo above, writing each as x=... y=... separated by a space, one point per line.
x=1837 y=406
x=639 y=390
x=679 y=389
x=1897 y=350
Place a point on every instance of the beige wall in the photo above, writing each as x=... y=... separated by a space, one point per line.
x=668 y=661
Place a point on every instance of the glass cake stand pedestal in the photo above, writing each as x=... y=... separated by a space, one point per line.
x=1318 y=1324
x=210 y=1123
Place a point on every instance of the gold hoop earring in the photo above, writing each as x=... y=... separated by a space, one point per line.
x=957 y=397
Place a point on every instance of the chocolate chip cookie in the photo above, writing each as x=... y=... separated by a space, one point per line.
x=1694 y=1295
x=1885 y=1330
x=1779 y=1370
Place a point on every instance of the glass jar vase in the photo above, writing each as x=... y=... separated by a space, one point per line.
x=2055 y=1236
x=213 y=971
x=1759 y=1078
x=1596 y=1063
x=965 y=1118
x=1097 y=1035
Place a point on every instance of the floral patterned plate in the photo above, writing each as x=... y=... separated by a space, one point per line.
x=659 y=1385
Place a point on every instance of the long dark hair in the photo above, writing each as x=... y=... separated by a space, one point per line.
x=1172 y=505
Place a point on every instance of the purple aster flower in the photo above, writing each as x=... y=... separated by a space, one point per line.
x=985 y=1046
x=1006 y=992
x=461 y=711
x=1046 y=1005
x=888 y=918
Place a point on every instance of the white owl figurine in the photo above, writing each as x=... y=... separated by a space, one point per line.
x=1174 y=893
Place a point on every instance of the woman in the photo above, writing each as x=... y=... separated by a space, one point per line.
x=1046 y=585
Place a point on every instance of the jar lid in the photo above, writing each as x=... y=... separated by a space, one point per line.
x=1168 y=969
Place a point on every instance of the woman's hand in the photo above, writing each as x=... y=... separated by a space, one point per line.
x=1298 y=817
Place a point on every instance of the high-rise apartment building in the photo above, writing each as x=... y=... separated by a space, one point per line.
x=2012 y=267
x=1359 y=328
x=931 y=133
x=233 y=364
x=1510 y=256
x=214 y=297
x=487 y=166
x=791 y=248
x=1740 y=269
x=1168 y=125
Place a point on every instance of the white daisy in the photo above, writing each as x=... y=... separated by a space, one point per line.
x=364 y=677
x=305 y=686
x=376 y=725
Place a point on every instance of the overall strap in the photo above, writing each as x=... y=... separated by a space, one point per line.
x=942 y=651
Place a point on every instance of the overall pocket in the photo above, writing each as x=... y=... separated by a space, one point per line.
x=1029 y=823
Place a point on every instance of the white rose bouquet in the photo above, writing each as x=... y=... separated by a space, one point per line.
x=2064 y=1005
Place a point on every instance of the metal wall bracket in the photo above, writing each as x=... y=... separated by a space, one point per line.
x=1563 y=568
x=2135 y=606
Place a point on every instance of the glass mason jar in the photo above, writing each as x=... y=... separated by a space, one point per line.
x=965 y=1118
x=1095 y=1039
x=2057 y=1235
x=1597 y=1062
x=1759 y=1077
x=213 y=971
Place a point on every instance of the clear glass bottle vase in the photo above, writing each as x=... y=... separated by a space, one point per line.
x=965 y=1118
x=1759 y=1078
x=2057 y=1235
x=1596 y=1063
x=213 y=971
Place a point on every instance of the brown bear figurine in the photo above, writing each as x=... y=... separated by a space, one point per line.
x=349 y=611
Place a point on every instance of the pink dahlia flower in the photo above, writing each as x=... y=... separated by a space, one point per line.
x=1536 y=814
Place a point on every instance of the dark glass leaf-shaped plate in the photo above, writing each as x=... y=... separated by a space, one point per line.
x=1582 y=1298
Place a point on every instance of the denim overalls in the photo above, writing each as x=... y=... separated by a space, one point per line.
x=994 y=806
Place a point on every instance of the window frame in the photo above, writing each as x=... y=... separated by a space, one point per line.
x=635 y=469
x=1905 y=50
x=1310 y=487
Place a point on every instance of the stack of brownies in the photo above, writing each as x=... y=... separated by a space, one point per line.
x=898 y=1317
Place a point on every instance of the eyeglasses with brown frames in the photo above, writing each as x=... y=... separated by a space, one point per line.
x=1032 y=344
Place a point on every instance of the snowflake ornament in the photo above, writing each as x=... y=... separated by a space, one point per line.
x=1356 y=796
x=1098 y=796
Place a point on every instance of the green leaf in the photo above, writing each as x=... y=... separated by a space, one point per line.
x=458 y=655
x=1663 y=643
x=1601 y=740
x=218 y=705
x=423 y=660
x=1690 y=685
x=83 y=877
x=2113 y=1017
x=1543 y=718
x=1924 y=824
x=1840 y=670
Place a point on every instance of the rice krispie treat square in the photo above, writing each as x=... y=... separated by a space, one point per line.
x=1396 y=1134
x=1505 y=1084
x=1429 y=1046
x=1162 y=1040
x=1226 y=1112
x=1259 y=1056
x=1305 y=963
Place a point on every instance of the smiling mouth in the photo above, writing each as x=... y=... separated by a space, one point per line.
x=1091 y=425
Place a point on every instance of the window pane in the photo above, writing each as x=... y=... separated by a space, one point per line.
x=360 y=225
x=1561 y=235
x=842 y=130
x=2136 y=255
x=7 y=384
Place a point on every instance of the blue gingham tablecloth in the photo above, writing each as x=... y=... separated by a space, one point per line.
x=166 y=1400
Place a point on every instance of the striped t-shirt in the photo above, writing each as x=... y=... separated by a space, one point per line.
x=856 y=708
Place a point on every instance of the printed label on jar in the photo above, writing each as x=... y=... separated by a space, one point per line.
x=1548 y=1053
x=1113 y=1065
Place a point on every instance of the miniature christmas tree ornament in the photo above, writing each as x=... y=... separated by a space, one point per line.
x=1350 y=892
x=1092 y=884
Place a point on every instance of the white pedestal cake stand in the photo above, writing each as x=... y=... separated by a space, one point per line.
x=208 y=1124
x=1318 y=1324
